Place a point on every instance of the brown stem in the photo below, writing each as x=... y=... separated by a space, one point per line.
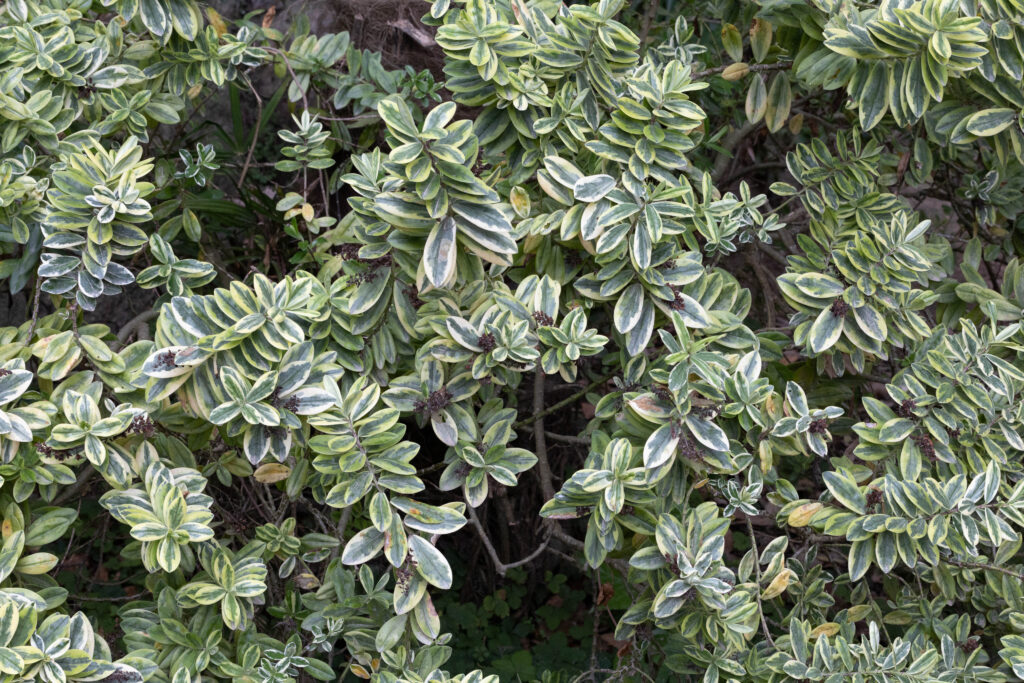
x=728 y=144
x=35 y=312
x=291 y=72
x=255 y=132
x=499 y=566
x=576 y=544
x=986 y=567
x=766 y=287
x=339 y=530
x=137 y=325
x=649 y=16
x=547 y=487
x=773 y=253
x=757 y=571
x=561 y=404
x=754 y=68
x=84 y=477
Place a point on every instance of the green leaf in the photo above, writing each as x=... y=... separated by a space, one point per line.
x=11 y=662
x=895 y=430
x=464 y=333
x=409 y=592
x=562 y=171
x=871 y=322
x=628 y=308
x=760 y=38
x=825 y=331
x=593 y=187
x=396 y=115
x=8 y=621
x=861 y=555
x=885 y=551
x=797 y=398
x=11 y=553
x=845 y=490
x=13 y=385
x=154 y=18
x=708 y=433
x=757 y=99
x=391 y=632
x=660 y=446
x=202 y=593
x=732 y=41
x=430 y=563
x=49 y=527
x=988 y=122
x=874 y=95
x=439 y=253
x=782 y=189
x=363 y=547
x=117 y=75
x=168 y=554
x=780 y=99
x=820 y=286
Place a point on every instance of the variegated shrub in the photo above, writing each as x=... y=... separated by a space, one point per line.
x=715 y=307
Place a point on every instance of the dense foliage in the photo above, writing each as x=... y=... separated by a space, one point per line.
x=702 y=318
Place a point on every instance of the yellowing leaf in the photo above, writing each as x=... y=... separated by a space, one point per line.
x=732 y=41
x=764 y=451
x=520 y=201
x=271 y=472
x=780 y=99
x=779 y=584
x=36 y=563
x=735 y=72
x=802 y=515
x=898 y=618
x=307 y=581
x=217 y=21
x=796 y=123
x=829 y=628
x=760 y=38
x=857 y=612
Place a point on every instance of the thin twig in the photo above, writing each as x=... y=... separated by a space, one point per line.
x=987 y=567
x=339 y=530
x=119 y=598
x=499 y=566
x=137 y=325
x=288 y=65
x=649 y=16
x=728 y=144
x=753 y=68
x=431 y=468
x=773 y=253
x=567 y=438
x=84 y=477
x=255 y=132
x=757 y=571
x=563 y=403
x=750 y=168
x=597 y=620
x=73 y=311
